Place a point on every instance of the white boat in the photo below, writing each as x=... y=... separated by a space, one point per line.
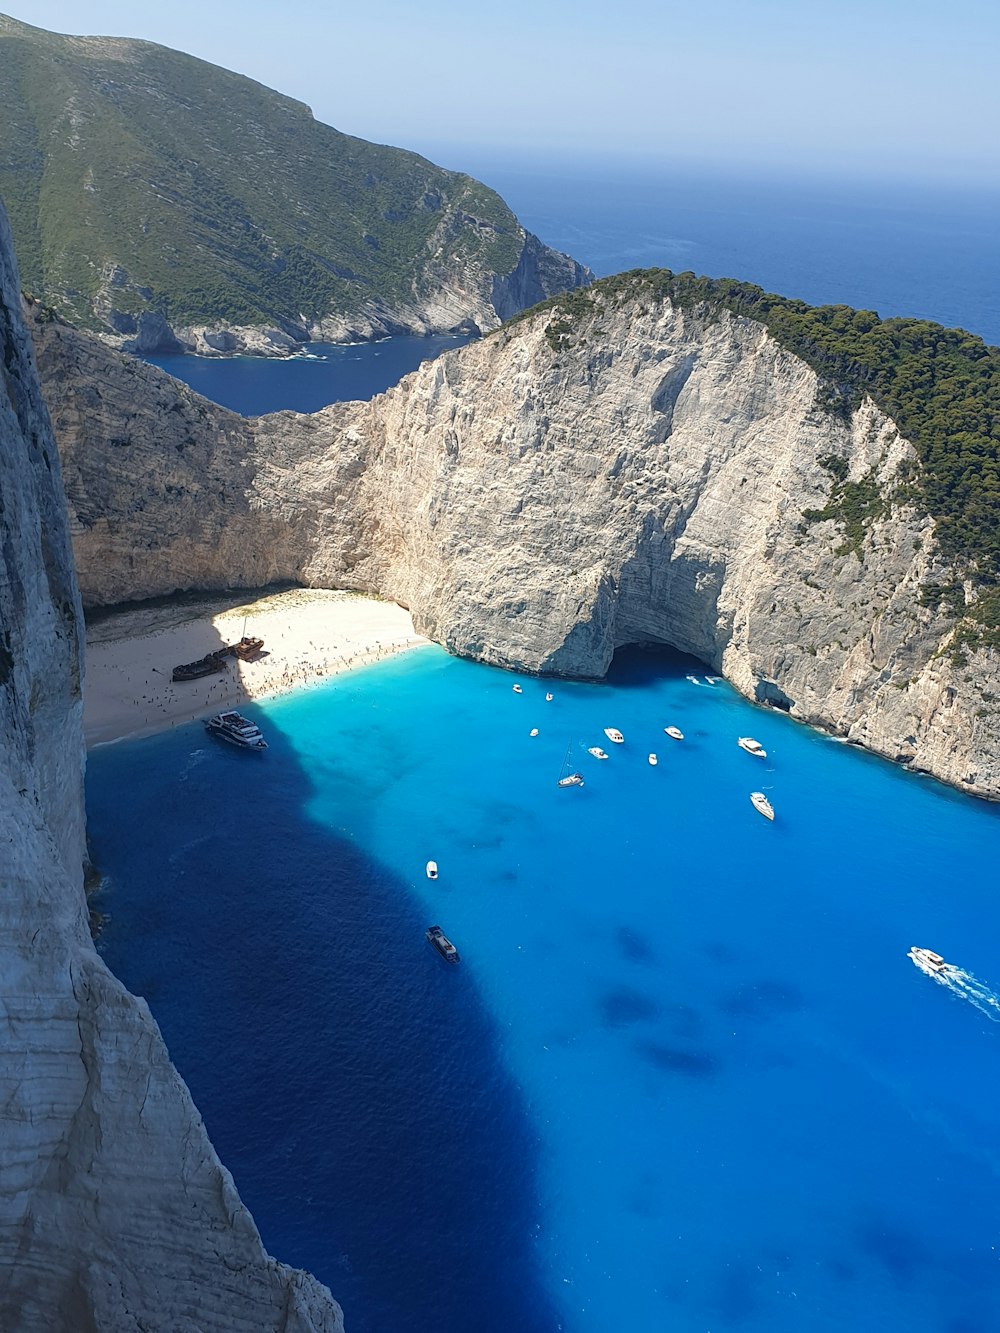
x=929 y=962
x=236 y=729
x=517 y=689
x=432 y=870
x=597 y=752
x=694 y=680
x=653 y=760
x=675 y=733
x=533 y=731
x=751 y=746
x=571 y=780
x=613 y=734
x=761 y=804
x=548 y=698
x=713 y=680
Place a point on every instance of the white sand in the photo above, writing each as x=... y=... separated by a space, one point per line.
x=308 y=635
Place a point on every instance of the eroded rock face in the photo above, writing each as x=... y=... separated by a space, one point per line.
x=538 y=508
x=461 y=298
x=115 y=1212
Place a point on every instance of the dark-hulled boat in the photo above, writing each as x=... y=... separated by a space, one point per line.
x=247 y=648
x=443 y=944
x=208 y=665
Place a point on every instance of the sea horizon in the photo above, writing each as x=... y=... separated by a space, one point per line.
x=680 y=1078
x=914 y=252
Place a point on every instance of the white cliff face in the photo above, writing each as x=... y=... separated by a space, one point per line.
x=539 y=508
x=115 y=1212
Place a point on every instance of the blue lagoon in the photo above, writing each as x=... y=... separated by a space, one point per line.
x=685 y=1076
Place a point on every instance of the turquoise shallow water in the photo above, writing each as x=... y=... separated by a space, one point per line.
x=685 y=1077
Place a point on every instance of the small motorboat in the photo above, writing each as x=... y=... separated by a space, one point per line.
x=928 y=961
x=533 y=731
x=653 y=760
x=571 y=780
x=751 y=746
x=597 y=752
x=761 y=804
x=444 y=946
x=432 y=870
x=548 y=698
x=613 y=734
x=694 y=680
x=674 y=733
x=517 y=689
x=713 y=680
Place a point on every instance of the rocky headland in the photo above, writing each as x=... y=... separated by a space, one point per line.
x=169 y=204
x=115 y=1212
x=640 y=465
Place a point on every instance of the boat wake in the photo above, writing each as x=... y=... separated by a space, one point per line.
x=969 y=988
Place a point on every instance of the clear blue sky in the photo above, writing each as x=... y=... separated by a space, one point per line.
x=886 y=87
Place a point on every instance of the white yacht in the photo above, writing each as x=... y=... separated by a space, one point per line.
x=533 y=731
x=928 y=961
x=674 y=733
x=613 y=734
x=432 y=870
x=751 y=746
x=548 y=698
x=761 y=804
x=694 y=680
x=517 y=689
x=597 y=752
x=236 y=729
x=571 y=780
x=653 y=760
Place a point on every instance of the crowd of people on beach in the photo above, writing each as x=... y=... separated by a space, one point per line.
x=271 y=673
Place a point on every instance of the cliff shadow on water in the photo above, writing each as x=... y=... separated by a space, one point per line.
x=348 y=1077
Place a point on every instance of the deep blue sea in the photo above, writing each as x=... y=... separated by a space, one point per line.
x=685 y=1077
x=320 y=374
x=925 y=250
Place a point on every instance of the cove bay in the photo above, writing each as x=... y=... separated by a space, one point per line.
x=685 y=1077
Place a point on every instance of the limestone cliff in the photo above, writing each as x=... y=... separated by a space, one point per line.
x=115 y=1213
x=539 y=501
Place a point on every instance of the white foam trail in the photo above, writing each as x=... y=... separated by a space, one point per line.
x=969 y=988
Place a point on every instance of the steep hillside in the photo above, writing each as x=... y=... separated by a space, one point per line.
x=628 y=467
x=138 y=179
x=115 y=1212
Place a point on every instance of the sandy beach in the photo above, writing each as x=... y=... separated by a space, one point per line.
x=308 y=635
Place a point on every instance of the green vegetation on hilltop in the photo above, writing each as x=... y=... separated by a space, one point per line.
x=940 y=386
x=137 y=178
